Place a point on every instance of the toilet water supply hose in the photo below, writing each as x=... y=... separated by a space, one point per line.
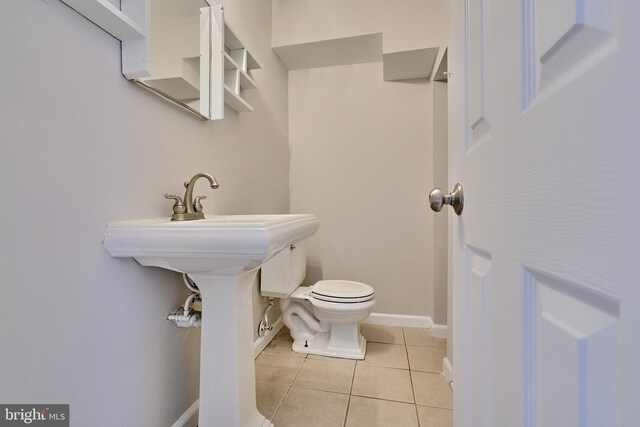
x=264 y=326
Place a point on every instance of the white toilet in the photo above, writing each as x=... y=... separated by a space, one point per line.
x=323 y=318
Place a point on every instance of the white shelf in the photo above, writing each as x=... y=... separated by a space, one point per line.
x=441 y=72
x=108 y=17
x=184 y=87
x=409 y=64
x=234 y=63
x=246 y=82
x=232 y=43
x=235 y=101
x=177 y=88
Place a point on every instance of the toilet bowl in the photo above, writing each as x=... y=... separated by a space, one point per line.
x=326 y=322
x=324 y=318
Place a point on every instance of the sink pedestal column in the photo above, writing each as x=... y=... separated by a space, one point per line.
x=227 y=366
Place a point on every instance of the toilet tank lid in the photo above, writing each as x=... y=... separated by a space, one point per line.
x=341 y=289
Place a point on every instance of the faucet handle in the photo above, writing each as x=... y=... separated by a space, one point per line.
x=197 y=206
x=178 y=206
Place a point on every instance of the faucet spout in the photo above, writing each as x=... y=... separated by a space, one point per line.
x=188 y=195
x=191 y=210
x=211 y=178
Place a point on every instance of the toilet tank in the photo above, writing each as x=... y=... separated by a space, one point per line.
x=285 y=271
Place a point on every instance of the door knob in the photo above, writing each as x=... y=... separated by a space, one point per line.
x=437 y=199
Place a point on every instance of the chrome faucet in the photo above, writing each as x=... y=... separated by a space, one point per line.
x=188 y=209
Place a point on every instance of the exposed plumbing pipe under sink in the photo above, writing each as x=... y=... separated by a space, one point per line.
x=264 y=325
x=185 y=317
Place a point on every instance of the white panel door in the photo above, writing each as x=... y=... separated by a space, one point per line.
x=544 y=136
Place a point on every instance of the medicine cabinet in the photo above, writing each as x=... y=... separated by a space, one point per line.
x=182 y=50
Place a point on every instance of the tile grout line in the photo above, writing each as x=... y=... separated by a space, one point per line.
x=290 y=387
x=280 y=404
x=346 y=414
x=353 y=378
x=413 y=391
x=436 y=407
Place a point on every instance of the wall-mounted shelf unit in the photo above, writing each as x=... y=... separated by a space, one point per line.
x=128 y=24
x=189 y=82
x=179 y=44
x=235 y=63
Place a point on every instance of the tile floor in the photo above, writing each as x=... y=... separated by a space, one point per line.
x=398 y=384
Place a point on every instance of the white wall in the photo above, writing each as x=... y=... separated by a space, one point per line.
x=363 y=152
x=81 y=146
x=173 y=38
x=361 y=161
x=405 y=24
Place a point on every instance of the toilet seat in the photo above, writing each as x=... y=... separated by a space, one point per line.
x=341 y=291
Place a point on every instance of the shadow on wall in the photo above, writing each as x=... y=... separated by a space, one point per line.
x=314 y=271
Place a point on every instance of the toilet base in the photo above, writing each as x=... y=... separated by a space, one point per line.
x=322 y=346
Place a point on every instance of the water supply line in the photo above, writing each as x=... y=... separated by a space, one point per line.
x=264 y=325
x=184 y=316
x=189 y=283
x=191 y=320
x=187 y=304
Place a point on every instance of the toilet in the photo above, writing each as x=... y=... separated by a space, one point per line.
x=323 y=318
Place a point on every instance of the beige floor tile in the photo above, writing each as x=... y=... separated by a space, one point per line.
x=269 y=396
x=328 y=375
x=426 y=359
x=277 y=369
x=383 y=334
x=387 y=355
x=435 y=417
x=318 y=357
x=382 y=383
x=365 y=412
x=284 y=337
x=312 y=408
x=284 y=330
x=420 y=337
x=281 y=348
x=431 y=390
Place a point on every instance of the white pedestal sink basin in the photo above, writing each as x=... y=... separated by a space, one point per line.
x=222 y=255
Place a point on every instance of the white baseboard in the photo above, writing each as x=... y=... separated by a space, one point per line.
x=447 y=370
x=408 y=321
x=262 y=342
x=439 y=331
x=187 y=419
x=399 y=320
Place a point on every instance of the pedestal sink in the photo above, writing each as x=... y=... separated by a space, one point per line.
x=222 y=255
